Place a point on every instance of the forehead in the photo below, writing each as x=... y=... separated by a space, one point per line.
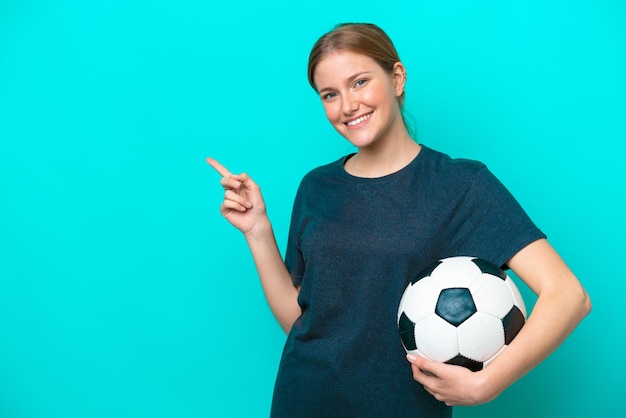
x=339 y=66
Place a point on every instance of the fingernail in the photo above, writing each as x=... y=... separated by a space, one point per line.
x=248 y=204
x=411 y=357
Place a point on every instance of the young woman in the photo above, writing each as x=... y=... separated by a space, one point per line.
x=362 y=227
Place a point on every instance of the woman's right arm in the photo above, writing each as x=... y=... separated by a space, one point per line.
x=244 y=208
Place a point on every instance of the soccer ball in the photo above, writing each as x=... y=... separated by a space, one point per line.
x=462 y=311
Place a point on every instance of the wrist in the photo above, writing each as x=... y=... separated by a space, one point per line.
x=259 y=231
x=489 y=384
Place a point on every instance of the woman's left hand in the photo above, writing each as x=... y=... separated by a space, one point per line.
x=454 y=385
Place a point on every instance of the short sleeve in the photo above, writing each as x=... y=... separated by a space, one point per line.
x=293 y=254
x=490 y=223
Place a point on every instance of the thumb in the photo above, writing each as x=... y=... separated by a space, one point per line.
x=425 y=365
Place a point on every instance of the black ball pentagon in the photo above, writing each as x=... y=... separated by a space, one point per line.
x=455 y=305
x=489 y=268
x=407 y=332
x=459 y=360
x=513 y=323
x=426 y=272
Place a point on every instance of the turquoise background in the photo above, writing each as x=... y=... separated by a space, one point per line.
x=123 y=293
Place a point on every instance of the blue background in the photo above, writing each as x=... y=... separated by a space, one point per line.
x=123 y=293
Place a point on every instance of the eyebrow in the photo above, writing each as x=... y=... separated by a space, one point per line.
x=349 y=80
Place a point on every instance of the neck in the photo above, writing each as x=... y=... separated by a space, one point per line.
x=385 y=157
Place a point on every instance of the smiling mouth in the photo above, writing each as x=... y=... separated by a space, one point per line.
x=359 y=119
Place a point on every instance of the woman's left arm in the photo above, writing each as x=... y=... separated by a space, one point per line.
x=561 y=304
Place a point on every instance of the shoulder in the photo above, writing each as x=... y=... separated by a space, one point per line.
x=328 y=172
x=321 y=181
x=447 y=169
x=444 y=161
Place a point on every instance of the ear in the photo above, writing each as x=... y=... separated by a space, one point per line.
x=399 y=78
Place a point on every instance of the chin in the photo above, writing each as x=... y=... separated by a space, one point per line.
x=361 y=143
x=361 y=139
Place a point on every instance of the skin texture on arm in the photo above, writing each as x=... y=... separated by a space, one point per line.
x=561 y=304
x=244 y=208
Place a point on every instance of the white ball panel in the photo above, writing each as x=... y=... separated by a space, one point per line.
x=492 y=295
x=436 y=338
x=488 y=362
x=456 y=272
x=457 y=259
x=517 y=296
x=480 y=337
x=420 y=299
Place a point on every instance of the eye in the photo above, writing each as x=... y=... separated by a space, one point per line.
x=360 y=83
x=329 y=96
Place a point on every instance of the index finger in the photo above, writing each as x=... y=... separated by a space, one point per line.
x=219 y=167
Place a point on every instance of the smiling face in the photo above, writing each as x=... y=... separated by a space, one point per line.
x=360 y=98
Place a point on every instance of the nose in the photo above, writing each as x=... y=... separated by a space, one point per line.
x=350 y=104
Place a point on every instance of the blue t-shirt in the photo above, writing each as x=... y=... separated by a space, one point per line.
x=353 y=246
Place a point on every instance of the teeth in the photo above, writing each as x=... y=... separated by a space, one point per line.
x=359 y=120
